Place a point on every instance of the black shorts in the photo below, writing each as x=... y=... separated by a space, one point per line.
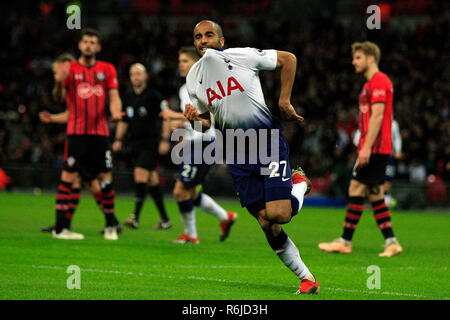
x=144 y=154
x=372 y=174
x=88 y=155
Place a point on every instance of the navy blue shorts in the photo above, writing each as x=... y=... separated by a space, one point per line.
x=192 y=174
x=255 y=189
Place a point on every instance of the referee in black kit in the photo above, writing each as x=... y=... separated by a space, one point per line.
x=148 y=136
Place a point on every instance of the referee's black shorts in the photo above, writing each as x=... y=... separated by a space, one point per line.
x=88 y=155
x=372 y=174
x=144 y=154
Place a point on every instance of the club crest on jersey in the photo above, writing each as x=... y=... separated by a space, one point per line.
x=232 y=84
x=100 y=76
x=260 y=52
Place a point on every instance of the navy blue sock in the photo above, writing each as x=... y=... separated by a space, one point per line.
x=294 y=204
x=185 y=206
x=277 y=242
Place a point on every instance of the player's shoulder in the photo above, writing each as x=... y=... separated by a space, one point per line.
x=381 y=78
x=105 y=65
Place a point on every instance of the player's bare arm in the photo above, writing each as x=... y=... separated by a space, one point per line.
x=375 y=120
x=192 y=115
x=121 y=129
x=288 y=64
x=47 y=117
x=164 y=144
x=115 y=105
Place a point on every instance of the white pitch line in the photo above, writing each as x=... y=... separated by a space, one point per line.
x=131 y=273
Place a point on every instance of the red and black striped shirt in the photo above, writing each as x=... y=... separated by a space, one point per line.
x=87 y=89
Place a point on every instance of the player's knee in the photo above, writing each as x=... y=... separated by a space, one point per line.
x=279 y=214
x=180 y=194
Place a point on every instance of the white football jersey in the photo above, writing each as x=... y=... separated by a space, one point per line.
x=193 y=135
x=227 y=84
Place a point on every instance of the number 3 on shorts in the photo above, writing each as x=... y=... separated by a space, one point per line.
x=274 y=166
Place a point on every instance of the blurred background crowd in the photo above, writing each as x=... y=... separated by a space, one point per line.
x=415 y=54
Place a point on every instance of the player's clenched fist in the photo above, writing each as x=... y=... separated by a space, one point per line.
x=45 y=117
x=288 y=112
x=191 y=113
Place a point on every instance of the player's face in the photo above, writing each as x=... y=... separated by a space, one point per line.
x=138 y=76
x=205 y=36
x=185 y=62
x=60 y=70
x=89 y=46
x=360 y=61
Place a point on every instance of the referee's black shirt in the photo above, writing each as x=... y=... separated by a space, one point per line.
x=142 y=111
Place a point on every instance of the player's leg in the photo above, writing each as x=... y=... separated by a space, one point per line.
x=74 y=199
x=207 y=204
x=287 y=252
x=72 y=205
x=94 y=187
x=141 y=177
x=355 y=208
x=100 y=168
x=284 y=189
x=383 y=218
x=73 y=153
x=157 y=195
x=182 y=194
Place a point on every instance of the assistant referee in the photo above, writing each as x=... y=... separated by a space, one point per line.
x=147 y=137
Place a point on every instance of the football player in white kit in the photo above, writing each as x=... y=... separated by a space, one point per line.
x=226 y=83
x=191 y=175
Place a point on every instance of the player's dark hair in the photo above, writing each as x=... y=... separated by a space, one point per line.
x=90 y=32
x=65 y=57
x=190 y=51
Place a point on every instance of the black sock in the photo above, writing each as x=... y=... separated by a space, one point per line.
x=354 y=211
x=62 y=205
x=108 y=204
x=141 y=189
x=383 y=218
x=156 y=193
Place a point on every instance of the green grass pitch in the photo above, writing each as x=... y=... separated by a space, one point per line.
x=145 y=264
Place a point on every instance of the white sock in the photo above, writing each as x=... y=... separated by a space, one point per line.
x=183 y=220
x=390 y=240
x=290 y=256
x=298 y=191
x=188 y=219
x=208 y=205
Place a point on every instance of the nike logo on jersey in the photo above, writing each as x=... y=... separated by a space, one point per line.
x=201 y=80
x=285 y=179
x=232 y=84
